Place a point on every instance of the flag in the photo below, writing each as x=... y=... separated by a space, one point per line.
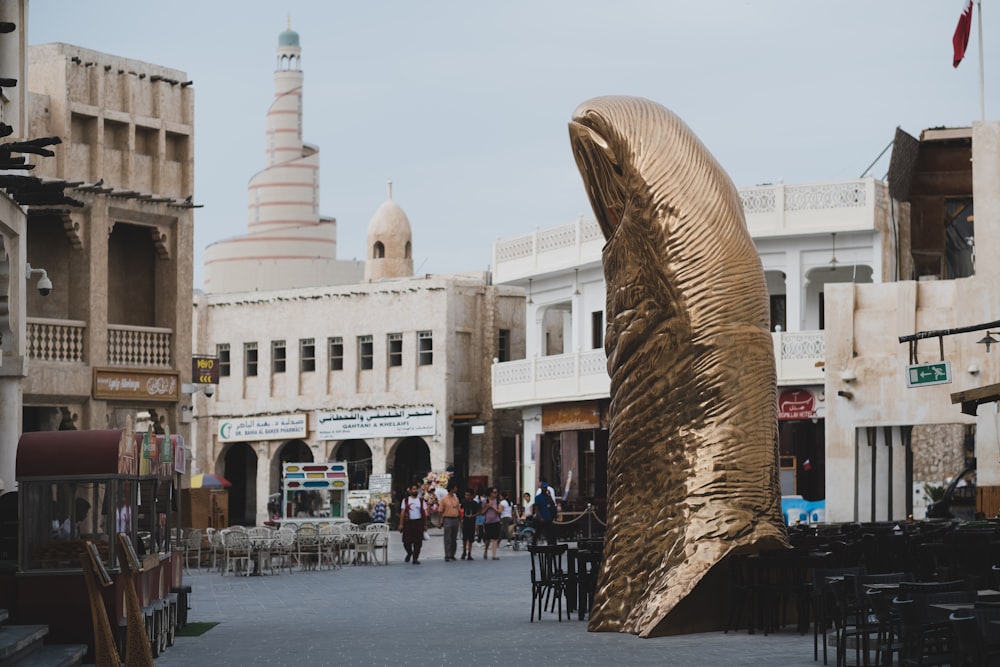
x=961 y=38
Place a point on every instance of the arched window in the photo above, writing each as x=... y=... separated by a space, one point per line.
x=378 y=250
x=408 y=250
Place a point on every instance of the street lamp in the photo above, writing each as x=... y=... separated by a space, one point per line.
x=988 y=340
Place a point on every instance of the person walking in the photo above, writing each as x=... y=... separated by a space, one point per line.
x=470 y=510
x=451 y=509
x=506 y=517
x=491 y=523
x=544 y=514
x=413 y=523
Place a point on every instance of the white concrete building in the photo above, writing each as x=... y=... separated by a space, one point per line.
x=809 y=237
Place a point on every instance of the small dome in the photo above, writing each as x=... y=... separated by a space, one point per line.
x=389 y=222
x=288 y=38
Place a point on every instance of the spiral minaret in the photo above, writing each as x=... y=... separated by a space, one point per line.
x=288 y=244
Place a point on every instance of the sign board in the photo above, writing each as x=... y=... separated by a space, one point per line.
x=381 y=483
x=922 y=375
x=384 y=423
x=800 y=403
x=115 y=384
x=275 y=427
x=204 y=369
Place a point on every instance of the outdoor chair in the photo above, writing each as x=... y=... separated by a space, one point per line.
x=379 y=533
x=192 y=549
x=889 y=639
x=218 y=549
x=307 y=547
x=329 y=545
x=925 y=642
x=852 y=621
x=261 y=542
x=237 y=550
x=548 y=579
x=970 y=646
x=822 y=603
x=283 y=548
x=364 y=545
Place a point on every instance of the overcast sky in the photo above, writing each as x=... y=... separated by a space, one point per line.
x=464 y=104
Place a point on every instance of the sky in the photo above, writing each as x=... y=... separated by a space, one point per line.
x=464 y=105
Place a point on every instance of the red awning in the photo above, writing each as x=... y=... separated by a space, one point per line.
x=67 y=453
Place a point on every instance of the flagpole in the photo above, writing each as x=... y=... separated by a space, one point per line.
x=982 y=103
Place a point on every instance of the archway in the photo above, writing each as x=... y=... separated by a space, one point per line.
x=358 y=456
x=240 y=467
x=412 y=461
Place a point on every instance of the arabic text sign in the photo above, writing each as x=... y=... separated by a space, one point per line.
x=274 y=427
x=132 y=383
x=384 y=423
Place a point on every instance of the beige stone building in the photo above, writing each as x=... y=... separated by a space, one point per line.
x=114 y=335
x=885 y=439
x=380 y=368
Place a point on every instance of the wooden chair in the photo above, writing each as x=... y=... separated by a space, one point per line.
x=548 y=578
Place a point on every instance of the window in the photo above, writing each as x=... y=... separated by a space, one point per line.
x=222 y=352
x=336 y=345
x=395 y=349
x=366 y=353
x=278 y=355
x=778 y=312
x=307 y=355
x=250 y=359
x=503 y=345
x=596 y=329
x=425 y=348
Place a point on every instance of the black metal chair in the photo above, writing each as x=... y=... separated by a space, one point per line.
x=822 y=603
x=925 y=642
x=588 y=564
x=548 y=579
x=971 y=648
x=889 y=639
x=852 y=621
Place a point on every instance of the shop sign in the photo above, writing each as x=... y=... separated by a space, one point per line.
x=275 y=427
x=385 y=423
x=205 y=369
x=798 y=403
x=380 y=482
x=115 y=384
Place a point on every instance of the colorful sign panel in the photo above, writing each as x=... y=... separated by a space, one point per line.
x=115 y=384
x=382 y=423
x=274 y=427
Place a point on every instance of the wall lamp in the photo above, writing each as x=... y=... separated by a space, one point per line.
x=848 y=375
x=988 y=340
x=846 y=394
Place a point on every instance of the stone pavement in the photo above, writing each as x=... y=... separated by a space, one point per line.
x=435 y=613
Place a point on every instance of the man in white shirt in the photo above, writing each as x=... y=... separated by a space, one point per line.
x=413 y=523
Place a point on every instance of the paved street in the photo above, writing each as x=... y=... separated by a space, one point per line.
x=435 y=613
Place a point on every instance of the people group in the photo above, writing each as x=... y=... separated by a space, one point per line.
x=484 y=516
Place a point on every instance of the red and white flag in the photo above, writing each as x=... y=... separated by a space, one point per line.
x=961 y=38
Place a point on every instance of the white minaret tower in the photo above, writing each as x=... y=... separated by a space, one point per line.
x=288 y=244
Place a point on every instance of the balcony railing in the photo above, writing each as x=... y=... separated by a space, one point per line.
x=147 y=347
x=584 y=375
x=64 y=341
x=55 y=340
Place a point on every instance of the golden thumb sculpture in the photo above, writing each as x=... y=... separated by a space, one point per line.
x=692 y=460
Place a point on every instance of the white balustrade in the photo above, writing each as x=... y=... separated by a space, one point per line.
x=139 y=346
x=55 y=340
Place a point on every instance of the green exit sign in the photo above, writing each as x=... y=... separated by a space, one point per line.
x=922 y=375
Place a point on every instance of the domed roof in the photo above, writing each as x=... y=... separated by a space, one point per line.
x=288 y=38
x=388 y=222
